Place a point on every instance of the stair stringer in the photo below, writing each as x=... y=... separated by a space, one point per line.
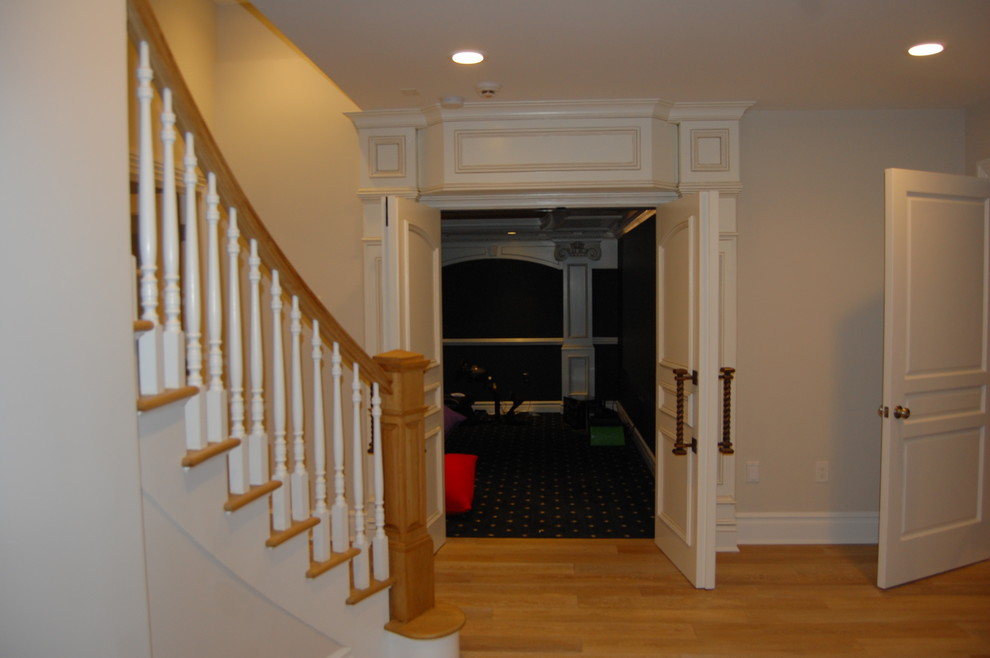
x=192 y=502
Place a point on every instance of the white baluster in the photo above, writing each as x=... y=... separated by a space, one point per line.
x=339 y=530
x=360 y=564
x=173 y=341
x=300 y=476
x=280 y=497
x=237 y=457
x=258 y=439
x=321 y=533
x=196 y=405
x=216 y=394
x=151 y=379
x=379 y=544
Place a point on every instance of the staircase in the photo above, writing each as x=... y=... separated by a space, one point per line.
x=270 y=442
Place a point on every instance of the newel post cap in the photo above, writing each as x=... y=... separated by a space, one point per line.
x=401 y=361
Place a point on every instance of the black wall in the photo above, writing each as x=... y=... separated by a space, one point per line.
x=638 y=327
x=503 y=298
x=605 y=324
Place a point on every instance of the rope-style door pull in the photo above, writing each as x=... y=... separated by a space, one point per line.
x=680 y=376
x=725 y=445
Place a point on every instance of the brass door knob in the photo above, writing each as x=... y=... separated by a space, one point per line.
x=902 y=412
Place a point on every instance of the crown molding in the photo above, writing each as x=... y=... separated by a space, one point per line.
x=646 y=108
x=709 y=111
x=399 y=118
x=579 y=109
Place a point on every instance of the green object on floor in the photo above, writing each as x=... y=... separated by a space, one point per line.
x=608 y=435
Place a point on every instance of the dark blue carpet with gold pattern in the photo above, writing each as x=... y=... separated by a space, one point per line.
x=538 y=477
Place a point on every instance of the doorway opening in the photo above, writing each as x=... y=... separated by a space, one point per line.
x=543 y=307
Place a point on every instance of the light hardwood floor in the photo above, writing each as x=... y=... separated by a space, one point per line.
x=611 y=598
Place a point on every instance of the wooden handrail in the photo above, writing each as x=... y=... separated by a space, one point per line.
x=143 y=26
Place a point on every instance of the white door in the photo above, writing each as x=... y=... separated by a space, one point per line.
x=687 y=342
x=413 y=323
x=935 y=490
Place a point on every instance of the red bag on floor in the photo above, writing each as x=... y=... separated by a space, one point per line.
x=459 y=481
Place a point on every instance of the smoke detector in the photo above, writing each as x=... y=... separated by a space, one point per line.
x=488 y=89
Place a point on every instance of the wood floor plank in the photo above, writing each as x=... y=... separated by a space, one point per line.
x=595 y=598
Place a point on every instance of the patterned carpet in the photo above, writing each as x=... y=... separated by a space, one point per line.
x=540 y=478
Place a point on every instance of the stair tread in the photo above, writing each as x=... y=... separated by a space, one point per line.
x=297 y=527
x=358 y=595
x=237 y=501
x=317 y=569
x=168 y=396
x=197 y=457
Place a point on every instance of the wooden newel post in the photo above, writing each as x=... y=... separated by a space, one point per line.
x=404 y=461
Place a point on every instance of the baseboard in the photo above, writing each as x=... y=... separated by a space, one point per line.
x=725 y=525
x=807 y=527
x=640 y=442
x=528 y=407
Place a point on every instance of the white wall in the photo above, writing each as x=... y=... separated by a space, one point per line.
x=213 y=587
x=71 y=558
x=810 y=285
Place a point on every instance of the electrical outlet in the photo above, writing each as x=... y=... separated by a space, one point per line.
x=821 y=471
x=752 y=472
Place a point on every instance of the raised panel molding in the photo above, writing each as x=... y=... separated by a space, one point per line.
x=549 y=154
x=507 y=151
x=710 y=149
x=709 y=155
x=563 y=153
x=577 y=304
x=578 y=372
x=387 y=156
x=389 y=151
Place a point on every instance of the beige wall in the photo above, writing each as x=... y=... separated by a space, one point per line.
x=190 y=27
x=281 y=125
x=977 y=136
x=810 y=285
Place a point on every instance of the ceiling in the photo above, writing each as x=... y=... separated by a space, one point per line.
x=779 y=54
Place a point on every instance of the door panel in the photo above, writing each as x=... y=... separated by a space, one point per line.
x=413 y=244
x=687 y=340
x=935 y=496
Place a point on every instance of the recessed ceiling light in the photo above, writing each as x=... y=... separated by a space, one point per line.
x=924 y=49
x=468 y=57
